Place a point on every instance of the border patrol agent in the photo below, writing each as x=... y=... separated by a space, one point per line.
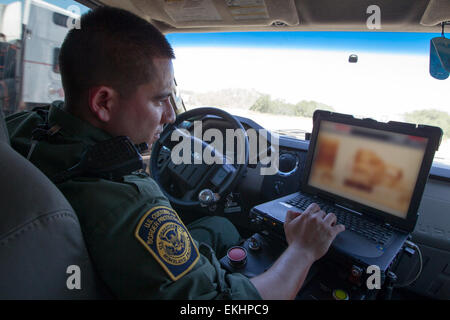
x=117 y=75
x=138 y=243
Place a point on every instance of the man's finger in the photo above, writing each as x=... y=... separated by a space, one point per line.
x=313 y=207
x=321 y=214
x=291 y=215
x=330 y=219
x=338 y=228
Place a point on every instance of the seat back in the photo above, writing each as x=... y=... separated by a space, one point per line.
x=42 y=251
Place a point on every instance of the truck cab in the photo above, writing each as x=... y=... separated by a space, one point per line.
x=268 y=66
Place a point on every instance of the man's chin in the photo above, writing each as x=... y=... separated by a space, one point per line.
x=154 y=139
x=151 y=143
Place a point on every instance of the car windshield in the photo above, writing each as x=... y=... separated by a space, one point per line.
x=278 y=79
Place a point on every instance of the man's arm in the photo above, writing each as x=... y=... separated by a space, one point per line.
x=285 y=278
x=309 y=235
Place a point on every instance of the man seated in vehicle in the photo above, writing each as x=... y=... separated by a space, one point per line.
x=117 y=76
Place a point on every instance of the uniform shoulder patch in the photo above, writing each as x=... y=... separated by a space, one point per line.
x=164 y=235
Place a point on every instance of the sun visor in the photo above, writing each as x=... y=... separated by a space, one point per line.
x=215 y=13
x=438 y=11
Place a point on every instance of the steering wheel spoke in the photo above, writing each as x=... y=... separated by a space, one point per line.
x=190 y=195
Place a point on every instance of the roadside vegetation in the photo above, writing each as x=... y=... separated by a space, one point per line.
x=255 y=101
x=431 y=117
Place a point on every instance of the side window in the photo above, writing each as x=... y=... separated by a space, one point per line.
x=29 y=68
x=9 y=53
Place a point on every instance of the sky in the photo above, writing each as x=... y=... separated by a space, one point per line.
x=411 y=43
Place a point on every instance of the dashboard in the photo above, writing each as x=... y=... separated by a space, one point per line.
x=431 y=234
x=432 y=231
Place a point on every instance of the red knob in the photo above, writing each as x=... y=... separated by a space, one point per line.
x=237 y=256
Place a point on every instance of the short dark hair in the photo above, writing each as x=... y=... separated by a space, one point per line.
x=112 y=47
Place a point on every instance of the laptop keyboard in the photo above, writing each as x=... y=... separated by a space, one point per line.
x=352 y=222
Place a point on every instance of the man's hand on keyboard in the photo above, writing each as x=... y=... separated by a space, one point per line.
x=312 y=230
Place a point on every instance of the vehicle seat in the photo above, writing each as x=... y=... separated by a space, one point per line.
x=40 y=236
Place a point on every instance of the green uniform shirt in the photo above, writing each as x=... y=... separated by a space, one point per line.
x=137 y=242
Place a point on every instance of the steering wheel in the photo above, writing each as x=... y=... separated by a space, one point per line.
x=195 y=175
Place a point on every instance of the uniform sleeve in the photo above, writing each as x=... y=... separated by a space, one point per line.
x=142 y=250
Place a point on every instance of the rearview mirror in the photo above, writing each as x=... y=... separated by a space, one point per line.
x=440 y=58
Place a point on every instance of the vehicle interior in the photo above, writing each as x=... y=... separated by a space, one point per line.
x=39 y=232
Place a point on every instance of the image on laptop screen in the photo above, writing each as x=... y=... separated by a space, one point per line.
x=373 y=167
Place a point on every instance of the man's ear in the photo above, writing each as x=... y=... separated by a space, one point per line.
x=101 y=102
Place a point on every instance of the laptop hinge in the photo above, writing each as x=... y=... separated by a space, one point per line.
x=326 y=198
x=348 y=209
x=397 y=229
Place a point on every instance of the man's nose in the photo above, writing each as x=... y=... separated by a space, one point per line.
x=169 y=115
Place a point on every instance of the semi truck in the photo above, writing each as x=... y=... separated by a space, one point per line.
x=31 y=34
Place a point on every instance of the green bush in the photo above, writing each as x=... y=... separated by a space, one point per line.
x=306 y=108
x=301 y=109
x=430 y=117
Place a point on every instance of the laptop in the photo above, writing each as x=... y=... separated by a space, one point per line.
x=371 y=175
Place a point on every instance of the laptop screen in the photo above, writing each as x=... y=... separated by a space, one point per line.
x=373 y=167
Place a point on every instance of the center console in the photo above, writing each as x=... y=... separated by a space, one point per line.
x=333 y=277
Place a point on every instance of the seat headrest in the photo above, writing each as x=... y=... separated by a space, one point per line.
x=4 y=137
